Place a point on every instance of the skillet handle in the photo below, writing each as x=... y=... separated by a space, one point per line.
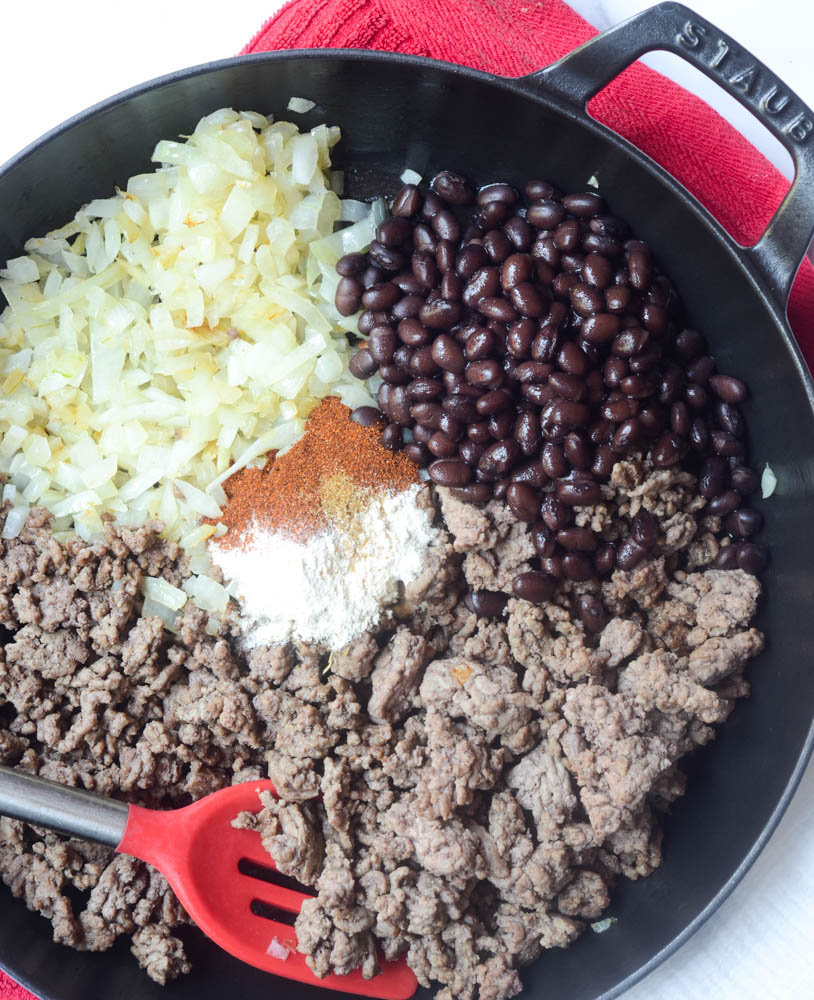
x=675 y=28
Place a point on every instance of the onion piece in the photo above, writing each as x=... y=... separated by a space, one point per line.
x=410 y=177
x=300 y=105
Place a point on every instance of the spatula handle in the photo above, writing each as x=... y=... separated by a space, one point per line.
x=57 y=807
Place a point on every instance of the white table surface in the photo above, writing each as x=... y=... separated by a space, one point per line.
x=59 y=57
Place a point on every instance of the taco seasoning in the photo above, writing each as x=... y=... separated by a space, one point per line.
x=322 y=538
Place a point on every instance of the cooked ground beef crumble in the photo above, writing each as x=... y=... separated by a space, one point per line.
x=464 y=788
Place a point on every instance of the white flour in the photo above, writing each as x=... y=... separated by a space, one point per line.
x=331 y=587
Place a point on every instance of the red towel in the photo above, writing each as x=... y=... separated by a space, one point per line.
x=512 y=37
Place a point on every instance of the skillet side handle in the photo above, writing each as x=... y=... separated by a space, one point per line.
x=675 y=28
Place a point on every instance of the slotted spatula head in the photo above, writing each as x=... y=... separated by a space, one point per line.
x=207 y=861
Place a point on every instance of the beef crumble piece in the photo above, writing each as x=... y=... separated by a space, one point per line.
x=462 y=789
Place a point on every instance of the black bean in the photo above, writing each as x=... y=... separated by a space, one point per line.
x=744 y=522
x=496 y=192
x=485 y=603
x=604 y=461
x=441 y=446
x=744 y=481
x=348 y=296
x=497 y=245
x=450 y=472
x=425 y=388
x=531 y=473
x=563 y=283
x=752 y=558
x=366 y=416
x=626 y=435
x=724 y=443
x=361 y=364
x=412 y=333
x=638 y=266
x=501 y=424
x=638 y=386
x=446 y=226
x=469 y=260
x=617 y=299
x=728 y=388
x=423 y=363
x=566 y=386
x=667 y=451
x=533 y=586
x=585 y=299
x=539 y=189
x=433 y=204
x=422 y=434
x=544 y=539
x=399 y=408
x=402 y=357
x=391 y=437
x=474 y=493
x=644 y=529
x=484 y=374
x=579 y=492
x=532 y=372
x=447 y=354
x=591 y=612
x=527 y=432
x=480 y=344
x=427 y=413
x=727 y=557
x=479 y=432
x=445 y=254
x=386 y=258
x=516 y=269
x=680 y=420
x=723 y=504
x=498 y=458
x=471 y=451
x=460 y=407
x=696 y=396
x=394 y=374
x=552 y=566
x=577 y=451
x=605 y=559
x=566 y=413
x=577 y=566
x=484 y=283
x=451 y=426
x=566 y=235
x=689 y=344
x=583 y=205
x=382 y=343
x=520 y=233
x=700 y=370
x=600 y=328
x=407 y=202
x=497 y=401
x=407 y=307
x=555 y=464
x=629 y=554
x=523 y=502
x=417 y=453
x=545 y=213
x=424 y=269
x=382 y=296
x=577 y=539
x=350 y=265
x=440 y=314
x=729 y=418
x=494 y=214
x=699 y=435
x=453 y=188
x=452 y=286
x=714 y=477
x=654 y=318
x=394 y=232
x=496 y=307
x=630 y=342
x=408 y=283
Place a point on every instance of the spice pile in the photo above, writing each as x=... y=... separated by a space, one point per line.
x=319 y=541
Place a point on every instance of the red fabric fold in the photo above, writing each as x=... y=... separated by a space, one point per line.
x=512 y=37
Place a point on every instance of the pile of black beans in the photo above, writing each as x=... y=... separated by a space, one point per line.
x=528 y=344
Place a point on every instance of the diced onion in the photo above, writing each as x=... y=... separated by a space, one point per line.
x=278 y=949
x=174 y=332
x=411 y=177
x=162 y=592
x=768 y=482
x=152 y=609
x=300 y=105
x=15 y=519
x=207 y=594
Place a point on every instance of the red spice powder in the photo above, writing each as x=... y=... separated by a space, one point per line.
x=290 y=494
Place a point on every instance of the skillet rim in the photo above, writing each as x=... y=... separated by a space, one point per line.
x=534 y=88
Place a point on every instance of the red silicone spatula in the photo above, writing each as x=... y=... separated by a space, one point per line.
x=222 y=876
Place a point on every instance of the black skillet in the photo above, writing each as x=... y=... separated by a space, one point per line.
x=398 y=111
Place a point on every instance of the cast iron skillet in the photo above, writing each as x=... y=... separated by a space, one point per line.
x=398 y=111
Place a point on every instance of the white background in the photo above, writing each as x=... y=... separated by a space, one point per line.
x=58 y=58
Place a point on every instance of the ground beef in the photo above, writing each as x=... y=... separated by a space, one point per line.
x=463 y=790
